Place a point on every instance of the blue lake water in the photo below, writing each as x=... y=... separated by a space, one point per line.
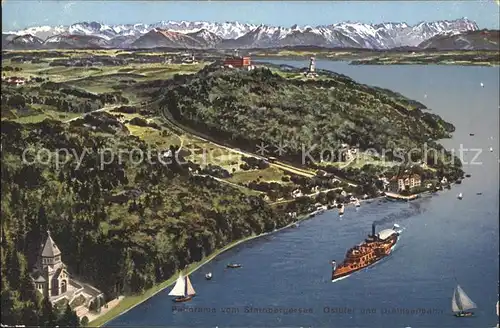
x=443 y=237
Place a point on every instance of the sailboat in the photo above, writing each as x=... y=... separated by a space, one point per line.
x=182 y=289
x=461 y=303
x=460 y=196
x=357 y=203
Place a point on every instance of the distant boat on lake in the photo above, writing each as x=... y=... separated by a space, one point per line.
x=460 y=196
x=461 y=303
x=183 y=289
x=234 y=265
x=208 y=276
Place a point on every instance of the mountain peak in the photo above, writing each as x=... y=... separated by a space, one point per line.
x=235 y=34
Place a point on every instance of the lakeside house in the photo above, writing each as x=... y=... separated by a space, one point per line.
x=405 y=182
x=385 y=182
x=348 y=152
x=297 y=193
x=52 y=280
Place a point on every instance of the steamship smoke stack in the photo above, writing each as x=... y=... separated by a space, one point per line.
x=373 y=229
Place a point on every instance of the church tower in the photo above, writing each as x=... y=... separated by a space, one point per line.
x=51 y=255
x=51 y=268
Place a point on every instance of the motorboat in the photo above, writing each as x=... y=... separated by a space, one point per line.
x=234 y=265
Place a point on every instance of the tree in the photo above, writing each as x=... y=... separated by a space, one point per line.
x=48 y=318
x=7 y=302
x=16 y=101
x=14 y=269
x=30 y=297
x=42 y=219
x=69 y=318
x=30 y=314
x=84 y=322
x=98 y=304
x=28 y=291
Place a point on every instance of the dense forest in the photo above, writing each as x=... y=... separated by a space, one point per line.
x=22 y=101
x=245 y=108
x=167 y=219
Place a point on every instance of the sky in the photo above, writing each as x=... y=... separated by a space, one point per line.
x=18 y=14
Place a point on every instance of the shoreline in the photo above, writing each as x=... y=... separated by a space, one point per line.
x=135 y=300
x=99 y=322
x=357 y=61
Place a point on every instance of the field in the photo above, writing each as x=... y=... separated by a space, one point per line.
x=128 y=79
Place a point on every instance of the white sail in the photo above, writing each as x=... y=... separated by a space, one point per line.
x=190 y=289
x=179 y=288
x=461 y=301
x=454 y=305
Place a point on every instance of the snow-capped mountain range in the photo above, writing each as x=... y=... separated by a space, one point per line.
x=233 y=35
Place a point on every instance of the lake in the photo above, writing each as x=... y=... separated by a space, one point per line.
x=444 y=238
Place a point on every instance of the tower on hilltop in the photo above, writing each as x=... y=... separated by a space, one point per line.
x=312 y=64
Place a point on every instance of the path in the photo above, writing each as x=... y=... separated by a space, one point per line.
x=279 y=164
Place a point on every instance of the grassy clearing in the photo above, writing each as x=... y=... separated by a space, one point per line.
x=153 y=137
x=160 y=139
x=42 y=112
x=204 y=153
x=363 y=159
x=268 y=175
